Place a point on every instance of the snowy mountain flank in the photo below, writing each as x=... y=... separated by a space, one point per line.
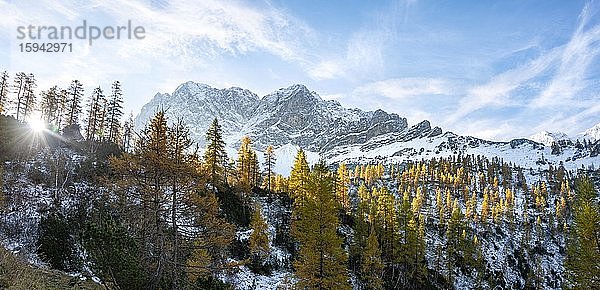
x=295 y=117
x=592 y=133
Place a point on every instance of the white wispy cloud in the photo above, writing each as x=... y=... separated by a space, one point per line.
x=576 y=57
x=364 y=54
x=572 y=123
x=181 y=29
x=327 y=69
x=403 y=88
x=409 y=97
x=202 y=28
x=184 y=39
x=497 y=92
x=365 y=50
x=567 y=65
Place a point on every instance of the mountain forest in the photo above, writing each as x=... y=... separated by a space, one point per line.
x=89 y=202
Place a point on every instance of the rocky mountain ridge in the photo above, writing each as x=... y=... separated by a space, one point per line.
x=296 y=117
x=292 y=115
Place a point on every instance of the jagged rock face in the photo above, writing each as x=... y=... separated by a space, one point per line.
x=518 y=142
x=197 y=105
x=293 y=115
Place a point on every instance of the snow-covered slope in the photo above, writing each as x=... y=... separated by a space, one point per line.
x=547 y=138
x=295 y=117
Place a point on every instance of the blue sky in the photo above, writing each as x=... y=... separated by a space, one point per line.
x=491 y=69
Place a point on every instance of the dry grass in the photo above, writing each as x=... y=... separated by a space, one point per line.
x=17 y=274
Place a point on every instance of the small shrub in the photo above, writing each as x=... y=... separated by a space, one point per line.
x=114 y=253
x=56 y=244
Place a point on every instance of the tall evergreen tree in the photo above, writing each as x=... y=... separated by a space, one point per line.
x=583 y=246
x=416 y=264
x=341 y=189
x=114 y=113
x=259 y=239
x=50 y=105
x=246 y=165
x=321 y=261
x=182 y=182
x=215 y=156
x=255 y=170
x=298 y=176
x=146 y=173
x=269 y=163
x=152 y=156
x=454 y=240
x=29 y=97
x=371 y=265
x=386 y=223
x=73 y=108
x=19 y=86
x=4 y=88
x=94 y=114
x=362 y=229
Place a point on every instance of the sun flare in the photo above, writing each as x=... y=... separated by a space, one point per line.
x=36 y=124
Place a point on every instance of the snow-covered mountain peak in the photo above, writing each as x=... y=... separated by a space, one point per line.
x=299 y=88
x=192 y=88
x=293 y=95
x=592 y=133
x=547 y=138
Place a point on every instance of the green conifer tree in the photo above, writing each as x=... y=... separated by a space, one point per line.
x=246 y=164
x=298 y=177
x=371 y=265
x=583 y=246
x=215 y=156
x=321 y=262
x=259 y=239
x=342 y=182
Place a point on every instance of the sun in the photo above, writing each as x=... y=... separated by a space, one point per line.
x=36 y=123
